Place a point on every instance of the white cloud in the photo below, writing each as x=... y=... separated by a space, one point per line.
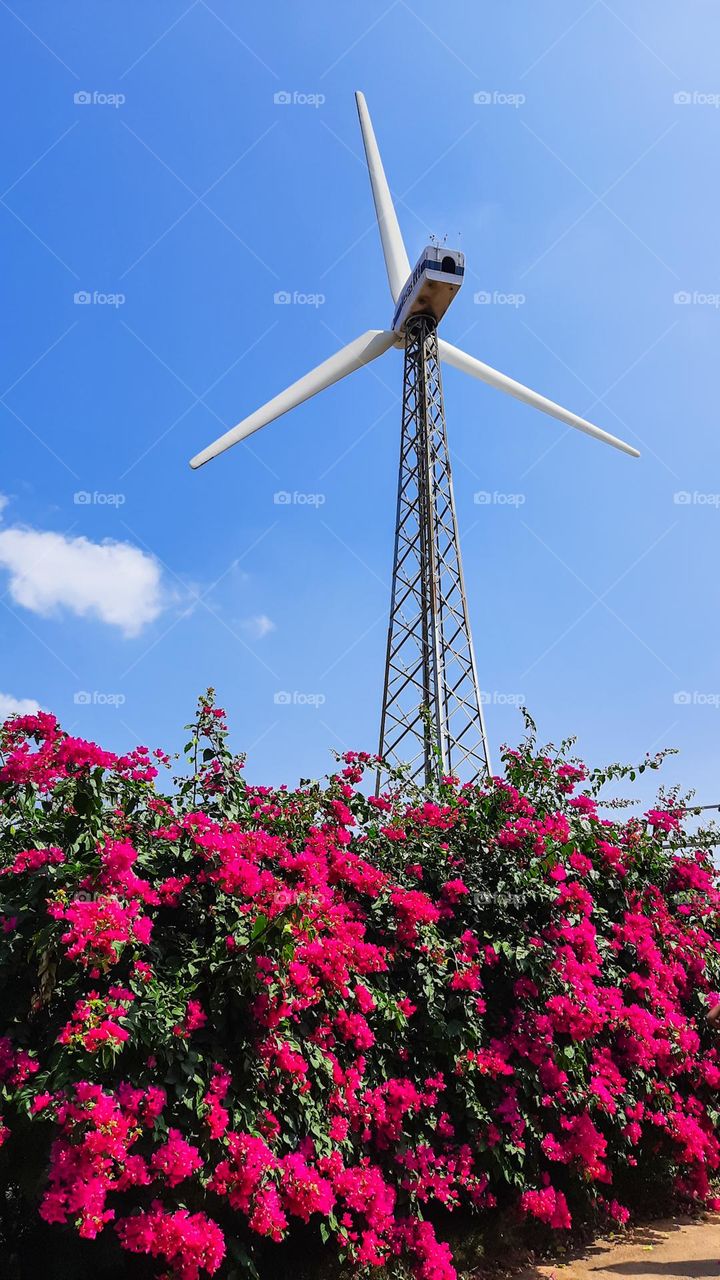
x=113 y=581
x=258 y=627
x=10 y=706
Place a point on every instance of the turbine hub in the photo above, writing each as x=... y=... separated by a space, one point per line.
x=431 y=286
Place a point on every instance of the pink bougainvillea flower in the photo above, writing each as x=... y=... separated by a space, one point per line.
x=314 y=1012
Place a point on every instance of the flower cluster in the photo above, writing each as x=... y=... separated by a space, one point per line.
x=234 y=1014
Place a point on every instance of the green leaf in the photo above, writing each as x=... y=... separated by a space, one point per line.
x=259 y=927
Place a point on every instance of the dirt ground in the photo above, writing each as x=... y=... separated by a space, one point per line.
x=672 y=1249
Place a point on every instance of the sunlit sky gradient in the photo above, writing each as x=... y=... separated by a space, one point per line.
x=591 y=197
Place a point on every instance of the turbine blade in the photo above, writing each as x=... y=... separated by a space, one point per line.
x=468 y=364
x=367 y=347
x=396 y=259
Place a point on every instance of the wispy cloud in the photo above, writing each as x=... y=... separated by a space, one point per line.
x=11 y=706
x=258 y=626
x=49 y=573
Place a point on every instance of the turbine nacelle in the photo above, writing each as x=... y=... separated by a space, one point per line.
x=435 y=281
x=428 y=289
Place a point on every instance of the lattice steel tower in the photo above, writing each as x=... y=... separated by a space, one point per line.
x=432 y=717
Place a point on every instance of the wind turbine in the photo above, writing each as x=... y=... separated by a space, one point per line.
x=432 y=713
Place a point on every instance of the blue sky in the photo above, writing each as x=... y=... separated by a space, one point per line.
x=182 y=197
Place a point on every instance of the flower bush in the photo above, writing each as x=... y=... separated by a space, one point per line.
x=233 y=1015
